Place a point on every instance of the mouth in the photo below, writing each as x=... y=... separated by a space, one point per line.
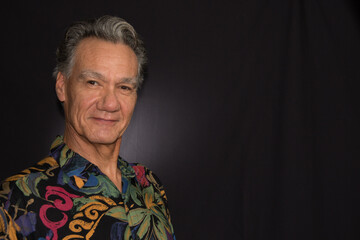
x=105 y=121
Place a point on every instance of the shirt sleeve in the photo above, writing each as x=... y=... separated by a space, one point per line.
x=154 y=195
x=8 y=227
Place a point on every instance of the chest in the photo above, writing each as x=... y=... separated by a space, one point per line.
x=58 y=212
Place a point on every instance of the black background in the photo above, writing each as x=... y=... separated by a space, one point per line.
x=249 y=113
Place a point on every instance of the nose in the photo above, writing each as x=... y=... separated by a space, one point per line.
x=108 y=101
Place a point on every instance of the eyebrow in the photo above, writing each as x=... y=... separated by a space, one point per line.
x=87 y=73
x=91 y=74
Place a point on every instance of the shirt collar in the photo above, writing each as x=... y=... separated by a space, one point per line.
x=80 y=170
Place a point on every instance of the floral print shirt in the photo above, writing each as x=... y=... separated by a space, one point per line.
x=64 y=196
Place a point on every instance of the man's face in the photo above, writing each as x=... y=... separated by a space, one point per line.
x=99 y=96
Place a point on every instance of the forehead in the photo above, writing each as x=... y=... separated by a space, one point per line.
x=100 y=55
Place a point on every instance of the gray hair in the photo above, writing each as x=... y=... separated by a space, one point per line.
x=108 y=28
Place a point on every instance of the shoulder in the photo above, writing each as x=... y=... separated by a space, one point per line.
x=16 y=194
x=20 y=180
x=153 y=195
x=145 y=176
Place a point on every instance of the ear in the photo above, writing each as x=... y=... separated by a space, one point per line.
x=60 y=87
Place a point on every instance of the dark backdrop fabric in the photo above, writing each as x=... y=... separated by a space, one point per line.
x=249 y=113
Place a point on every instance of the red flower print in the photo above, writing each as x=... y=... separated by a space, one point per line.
x=140 y=176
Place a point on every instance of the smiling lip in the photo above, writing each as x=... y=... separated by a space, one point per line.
x=104 y=120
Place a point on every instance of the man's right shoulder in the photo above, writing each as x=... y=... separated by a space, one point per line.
x=9 y=183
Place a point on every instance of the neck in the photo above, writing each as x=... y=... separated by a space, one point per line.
x=104 y=156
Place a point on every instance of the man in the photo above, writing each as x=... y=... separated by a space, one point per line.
x=84 y=190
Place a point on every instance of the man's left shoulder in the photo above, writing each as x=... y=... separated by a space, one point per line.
x=145 y=176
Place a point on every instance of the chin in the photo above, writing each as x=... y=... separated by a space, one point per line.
x=103 y=139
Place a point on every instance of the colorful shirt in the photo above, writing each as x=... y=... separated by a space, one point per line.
x=64 y=196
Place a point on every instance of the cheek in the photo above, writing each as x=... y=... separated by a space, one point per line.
x=80 y=106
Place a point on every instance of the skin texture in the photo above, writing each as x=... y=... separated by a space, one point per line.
x=99 y=98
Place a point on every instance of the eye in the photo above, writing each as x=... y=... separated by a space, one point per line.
x=125 y=88
x=92 y=82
